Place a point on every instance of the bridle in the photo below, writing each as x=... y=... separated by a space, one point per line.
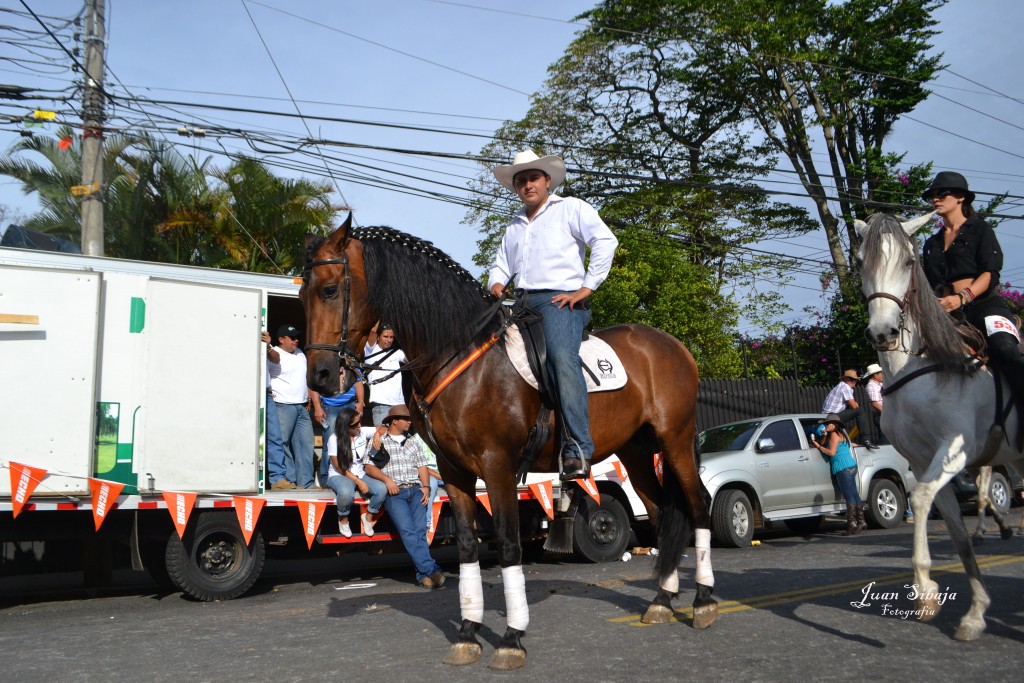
x=345 y=355
x=903 y=302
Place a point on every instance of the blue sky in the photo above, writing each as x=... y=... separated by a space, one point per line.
x=463 y=68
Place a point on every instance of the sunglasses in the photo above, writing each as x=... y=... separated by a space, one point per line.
x=355 y=425
x=939 y=194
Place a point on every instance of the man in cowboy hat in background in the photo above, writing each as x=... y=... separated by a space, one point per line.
x=405 y=474
x=873 y=376
x=841 y=401
x=543 y=250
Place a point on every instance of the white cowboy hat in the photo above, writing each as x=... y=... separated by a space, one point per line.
x=872 y=369
x=527 y=160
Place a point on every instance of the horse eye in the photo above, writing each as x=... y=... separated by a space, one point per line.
x=329 y=292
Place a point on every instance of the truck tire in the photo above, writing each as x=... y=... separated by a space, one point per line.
x=732 y=519
x=213 y=561
x=885 y=505
x=600 y=532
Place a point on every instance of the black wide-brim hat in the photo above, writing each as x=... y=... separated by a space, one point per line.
x=948 y=180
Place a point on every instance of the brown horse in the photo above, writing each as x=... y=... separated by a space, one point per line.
x=480 y=421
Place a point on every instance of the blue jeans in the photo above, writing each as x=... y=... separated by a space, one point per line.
x=409 y=515
x=379 y=411
x=847 y=480
x=297 y=438
x=563 y=333
x=330 y=420
x=345 y=492
x=275 y=449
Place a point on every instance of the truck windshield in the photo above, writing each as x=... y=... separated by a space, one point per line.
x=734 y=437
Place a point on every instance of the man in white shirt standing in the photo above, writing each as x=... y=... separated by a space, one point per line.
x=287 y=365
x=543 y=250
x=384 y=393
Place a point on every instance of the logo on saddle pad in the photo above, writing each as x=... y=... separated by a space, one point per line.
x=602 y=368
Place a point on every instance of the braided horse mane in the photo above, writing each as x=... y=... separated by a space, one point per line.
x=938 y=334
x=420 y=291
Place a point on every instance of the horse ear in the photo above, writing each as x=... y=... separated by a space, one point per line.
x=912 y=226
x=339 y=237
x=860 y=226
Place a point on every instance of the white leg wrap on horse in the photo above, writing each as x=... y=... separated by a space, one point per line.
x=471 y=592
x=515 y=597
x=703 y=548
x=671 y=582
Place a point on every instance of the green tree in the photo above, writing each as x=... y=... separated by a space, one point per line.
x=813 y=75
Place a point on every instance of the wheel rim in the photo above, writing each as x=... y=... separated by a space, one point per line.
x=887 y=504
x=740 y=519
x=218 y=555
x=998 y=495
x=604 y=528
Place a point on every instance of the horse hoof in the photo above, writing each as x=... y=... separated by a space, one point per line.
x=657 y=614
x=460 y=654
x=927 y=610
x=507 y=658
x=969 y=632
x=705 y=615
x=1005 y=534
x=977 y=540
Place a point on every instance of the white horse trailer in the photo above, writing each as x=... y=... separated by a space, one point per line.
x=151 y=376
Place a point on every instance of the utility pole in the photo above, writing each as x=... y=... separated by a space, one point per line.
x=93 y=117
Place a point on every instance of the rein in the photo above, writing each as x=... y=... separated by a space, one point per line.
x=902 y=303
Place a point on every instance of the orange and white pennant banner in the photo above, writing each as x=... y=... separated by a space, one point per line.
x=659 y=464
x=485 y=500
x=24 y=480
x=620 y=470
x=180 y=506
x=542 y=492
x=590 y=486
x=104 y=494
x=248 y=511
x=435 y=513
x=311 y=511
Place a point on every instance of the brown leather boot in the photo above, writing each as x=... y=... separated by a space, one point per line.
x=851 y=521
x=859 y=513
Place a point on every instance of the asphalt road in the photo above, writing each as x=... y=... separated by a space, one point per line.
x=786 y=615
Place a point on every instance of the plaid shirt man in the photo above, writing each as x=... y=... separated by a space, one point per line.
x=407 y=457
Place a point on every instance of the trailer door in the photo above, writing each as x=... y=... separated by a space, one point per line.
x=201 y=410
x=48 y=338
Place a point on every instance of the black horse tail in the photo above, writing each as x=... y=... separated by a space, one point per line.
x=675 y=522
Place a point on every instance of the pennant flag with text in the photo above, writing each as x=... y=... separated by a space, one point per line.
x=485 y=500
x=248 y=511
x=620 y=470
x=590 y=486
x=311 y=511
x=542 y=492
x=180 y=507
x=24 y=480
x=104 y=496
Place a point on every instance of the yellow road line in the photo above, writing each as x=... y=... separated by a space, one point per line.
x=773 y=599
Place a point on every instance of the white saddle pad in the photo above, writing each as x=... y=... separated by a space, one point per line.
x=597 y=355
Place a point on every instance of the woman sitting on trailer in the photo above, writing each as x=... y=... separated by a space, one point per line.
x=346 y=450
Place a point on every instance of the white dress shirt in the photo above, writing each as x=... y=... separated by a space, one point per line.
x=548 y=251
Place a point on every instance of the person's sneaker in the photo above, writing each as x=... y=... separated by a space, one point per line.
x=574 y=468
x=282 y=485
x=909 y=519
x=367 y=520
x=344 y=528
x=426 y=582
x=437 y=579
